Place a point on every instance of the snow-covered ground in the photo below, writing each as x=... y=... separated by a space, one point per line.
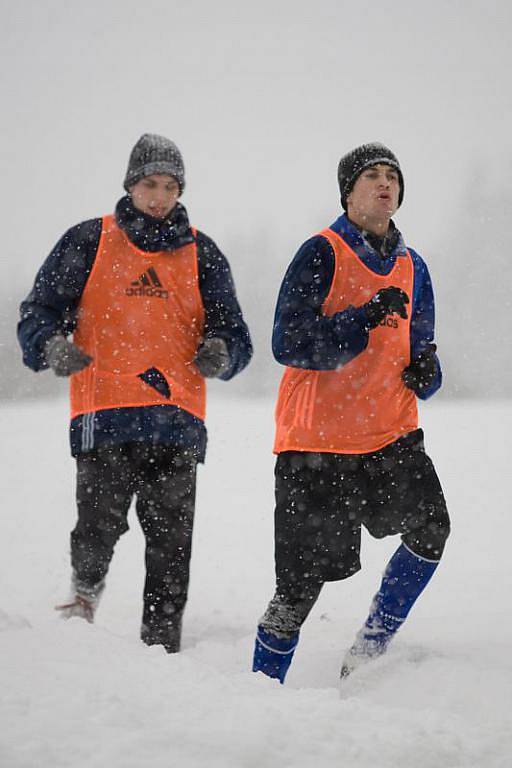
x=79 y=695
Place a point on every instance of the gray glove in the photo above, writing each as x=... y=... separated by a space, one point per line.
x=212 y=358
x=63 y=357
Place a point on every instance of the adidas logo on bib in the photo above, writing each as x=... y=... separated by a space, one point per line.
x=148 y=284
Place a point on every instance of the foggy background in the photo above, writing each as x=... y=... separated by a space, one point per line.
x=263 y=99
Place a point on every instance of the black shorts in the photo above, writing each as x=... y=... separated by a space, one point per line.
x=322 y=499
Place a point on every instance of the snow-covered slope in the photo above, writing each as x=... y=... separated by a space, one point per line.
x=79 y=695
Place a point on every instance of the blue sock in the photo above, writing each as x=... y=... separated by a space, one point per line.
x=273 y=655
x=405 y=578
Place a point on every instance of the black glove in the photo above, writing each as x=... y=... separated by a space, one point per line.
x=387 y=301
x=63 y=357
x=420 y=374
x=212 y=358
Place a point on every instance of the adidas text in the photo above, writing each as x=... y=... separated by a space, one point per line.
x=390 y=322
x=159 y=293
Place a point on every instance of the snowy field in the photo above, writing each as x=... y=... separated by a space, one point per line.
x=93 y=696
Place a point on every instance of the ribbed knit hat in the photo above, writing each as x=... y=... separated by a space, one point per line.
x=154 y=154
x=353 y=164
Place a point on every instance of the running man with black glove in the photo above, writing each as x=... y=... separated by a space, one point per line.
x=354 y=326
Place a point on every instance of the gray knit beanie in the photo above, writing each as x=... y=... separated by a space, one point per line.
x=154 y=154
x=354 y=163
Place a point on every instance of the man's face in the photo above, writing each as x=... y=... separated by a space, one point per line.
x=375 y=194
x=156 y=195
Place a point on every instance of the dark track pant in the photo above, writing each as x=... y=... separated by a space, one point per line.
x=163 y=481
x=322 y=500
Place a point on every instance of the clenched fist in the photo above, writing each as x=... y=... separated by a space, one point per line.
x=212 y=358
x=64 y=357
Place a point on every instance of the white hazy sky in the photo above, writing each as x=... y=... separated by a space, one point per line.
x=262 y=98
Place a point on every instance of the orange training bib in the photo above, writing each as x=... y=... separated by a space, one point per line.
x=139 y=311
x=364 y=405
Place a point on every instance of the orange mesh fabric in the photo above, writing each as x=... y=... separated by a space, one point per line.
x=364 y=405
x=139 y=311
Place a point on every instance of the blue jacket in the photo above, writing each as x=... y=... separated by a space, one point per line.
x=303 y=337
x=52 y=304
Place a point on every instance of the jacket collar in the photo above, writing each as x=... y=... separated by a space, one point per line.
x=370 y=257
x=150 y=234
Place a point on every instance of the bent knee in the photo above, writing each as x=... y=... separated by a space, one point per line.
x=429 y=542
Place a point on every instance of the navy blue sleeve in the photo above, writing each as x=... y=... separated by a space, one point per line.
x=223 y=316
x=423 y=319
x=50 y=307
x=303 y=336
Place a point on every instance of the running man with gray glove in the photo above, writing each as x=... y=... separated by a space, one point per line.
x=151 y=305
